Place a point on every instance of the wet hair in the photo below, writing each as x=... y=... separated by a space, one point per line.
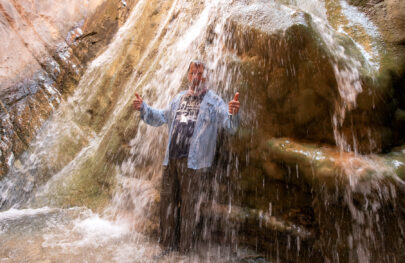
x=198 y=63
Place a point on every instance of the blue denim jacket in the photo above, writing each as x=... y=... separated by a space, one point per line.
x=213 y=115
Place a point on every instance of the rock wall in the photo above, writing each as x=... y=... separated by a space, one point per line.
x=300 y=198
x=47 y=46
x=293 y=70
x=389 y=16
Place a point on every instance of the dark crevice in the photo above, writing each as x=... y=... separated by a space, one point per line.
x=84 y=36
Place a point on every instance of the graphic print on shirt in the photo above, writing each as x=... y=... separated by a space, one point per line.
x=184 y=122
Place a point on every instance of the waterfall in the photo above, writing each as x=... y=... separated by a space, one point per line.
x=87 y=188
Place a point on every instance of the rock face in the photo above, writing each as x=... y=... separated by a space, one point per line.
x=302 y=85
x=389 y=14
x=339 y=184
x=286 y=70
x=47 y=45
x=396 y=15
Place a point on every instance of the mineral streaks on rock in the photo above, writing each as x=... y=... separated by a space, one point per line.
x=30 y=32
x=43 y=53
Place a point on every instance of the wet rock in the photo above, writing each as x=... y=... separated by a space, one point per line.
x=257 y=228
x=273 y=170
x=332 y=190
x=389 y=81
x=91 y=111
x=389 y=16
x=260 y=219
x=52 y=64
x=278 y=87
x=295 y=81
x=321 y=165
x=396 y=15
x=396 y=160
x=291 y=79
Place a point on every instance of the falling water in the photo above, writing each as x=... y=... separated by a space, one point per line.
x=366 y=232
x=85 y=134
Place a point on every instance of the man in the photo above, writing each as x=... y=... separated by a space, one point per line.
x=194 y=118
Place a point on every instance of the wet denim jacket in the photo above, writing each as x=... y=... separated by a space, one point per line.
x=213 y=115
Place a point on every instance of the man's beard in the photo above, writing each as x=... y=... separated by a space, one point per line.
x=197 y=86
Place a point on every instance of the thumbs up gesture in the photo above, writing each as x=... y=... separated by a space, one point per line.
x=137 y=102
x=234 y=104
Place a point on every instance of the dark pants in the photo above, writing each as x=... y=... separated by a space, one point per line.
x=184 y=193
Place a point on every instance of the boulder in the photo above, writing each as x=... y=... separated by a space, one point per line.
x=296 y=83
x=333 y=195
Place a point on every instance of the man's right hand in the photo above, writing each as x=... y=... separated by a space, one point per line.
x=137 y=102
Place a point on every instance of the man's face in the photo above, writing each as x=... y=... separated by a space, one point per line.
x=196 y=76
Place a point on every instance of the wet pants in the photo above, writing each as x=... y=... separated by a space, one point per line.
x=185 y=192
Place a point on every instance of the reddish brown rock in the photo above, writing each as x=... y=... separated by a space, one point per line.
x=389 y=15
x=47 y=49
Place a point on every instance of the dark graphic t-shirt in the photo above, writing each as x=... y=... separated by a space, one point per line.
x=183 y=125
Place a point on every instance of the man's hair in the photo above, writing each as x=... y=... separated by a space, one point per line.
x=197 y=63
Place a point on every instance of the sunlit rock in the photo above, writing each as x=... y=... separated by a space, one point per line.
x=389 y=16
x=97 y=137
x=328 y=167
x=45 y=49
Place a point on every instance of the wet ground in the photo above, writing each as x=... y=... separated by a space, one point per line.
x=78 y=235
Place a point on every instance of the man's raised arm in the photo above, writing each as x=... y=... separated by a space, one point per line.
x=151 y=116
x=229 y=117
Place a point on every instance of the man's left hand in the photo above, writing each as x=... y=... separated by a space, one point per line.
x=234 y=105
